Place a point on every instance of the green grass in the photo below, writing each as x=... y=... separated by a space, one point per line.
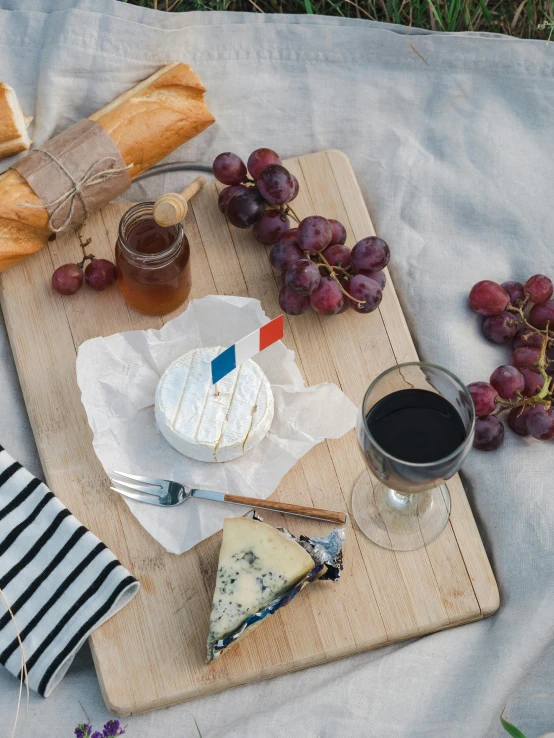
x=523 y=18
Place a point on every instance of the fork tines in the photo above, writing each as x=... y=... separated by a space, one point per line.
x=148 y=480
x=153 y=487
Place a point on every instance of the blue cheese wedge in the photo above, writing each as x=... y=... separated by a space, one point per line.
x=210 y=422
x=257 y=563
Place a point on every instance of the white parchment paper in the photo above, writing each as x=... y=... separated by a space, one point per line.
x=118 y=375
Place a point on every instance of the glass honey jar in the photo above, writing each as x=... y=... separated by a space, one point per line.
x=153 y=262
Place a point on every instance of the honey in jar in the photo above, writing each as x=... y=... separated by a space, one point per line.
x=153 y=262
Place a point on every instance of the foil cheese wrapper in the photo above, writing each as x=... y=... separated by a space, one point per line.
x=327 y=555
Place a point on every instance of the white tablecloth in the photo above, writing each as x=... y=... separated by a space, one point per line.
x=454 y=155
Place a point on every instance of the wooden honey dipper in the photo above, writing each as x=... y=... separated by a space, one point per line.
x=172 y=208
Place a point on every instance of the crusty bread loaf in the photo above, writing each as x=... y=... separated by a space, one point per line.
x=13 y=123
x=147 y=123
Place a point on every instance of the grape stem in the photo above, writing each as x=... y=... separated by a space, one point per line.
x=287 y=212
x=341 y=269
x=79 y=235
x=520 y=310
x=331 y=270
x=86 y=257
x=290 y=212
x=545 y=396
x=83 y=244
x=542 y=364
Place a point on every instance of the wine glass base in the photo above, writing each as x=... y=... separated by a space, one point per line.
x=395 y=521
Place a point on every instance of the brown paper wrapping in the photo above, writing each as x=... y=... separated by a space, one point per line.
x=75 y=173
x=146 y=124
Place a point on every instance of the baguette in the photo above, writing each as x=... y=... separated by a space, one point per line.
x=147 y=123
x=13 y=123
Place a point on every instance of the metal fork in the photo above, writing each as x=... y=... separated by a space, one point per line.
x=165 y=493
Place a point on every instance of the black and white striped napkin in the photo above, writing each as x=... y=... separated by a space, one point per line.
x=59 y=580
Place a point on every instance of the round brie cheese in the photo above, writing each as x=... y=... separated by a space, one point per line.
x=213 y=422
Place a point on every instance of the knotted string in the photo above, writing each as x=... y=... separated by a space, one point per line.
x=89 y=179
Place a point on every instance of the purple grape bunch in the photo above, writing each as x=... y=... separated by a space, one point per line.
x=318 y=270
x=328 y=276
x=245 y=200
x=521 y=315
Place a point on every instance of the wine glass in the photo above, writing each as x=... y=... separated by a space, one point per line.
x=415 y=427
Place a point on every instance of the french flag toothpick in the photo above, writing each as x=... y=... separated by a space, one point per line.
x=247 y=347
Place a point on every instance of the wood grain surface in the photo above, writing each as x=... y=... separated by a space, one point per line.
x=151 y=654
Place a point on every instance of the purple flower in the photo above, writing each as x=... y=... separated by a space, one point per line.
x=112 y=728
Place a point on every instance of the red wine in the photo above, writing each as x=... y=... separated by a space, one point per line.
x=416 y=426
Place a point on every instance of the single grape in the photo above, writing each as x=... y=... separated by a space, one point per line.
x=540 y=422
x=260 y=159
x=100 y=274
x=284 y=254
x=533 y=381
x=229 y=168
x=489 y=433
x=338 y=231
x=378 y=277
x=275 y=184
x=226 y=194
x=488 y=298
x=500 y=328
x=327 y=299
x=517 y=420
x=366 y=294
x=245 y=208
x=542 y=314
x=337 y=255
x=293 y=304
x=296 y=187
x=515 y=290
x=484 y=398
x=271 y=227
x=525 y=356
x=527 y=337
x=67 y=279
x=371 y=254
x=507 y=380
x=539 y=288
x=302 y=277
x=314 y=234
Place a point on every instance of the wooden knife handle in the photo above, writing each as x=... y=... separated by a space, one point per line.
x=329 y=516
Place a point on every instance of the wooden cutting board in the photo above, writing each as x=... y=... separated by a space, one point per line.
x=151 y=654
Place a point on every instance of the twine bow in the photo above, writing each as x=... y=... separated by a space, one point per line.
x=89 y=179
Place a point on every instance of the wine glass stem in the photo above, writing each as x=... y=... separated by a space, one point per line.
x=402 y=502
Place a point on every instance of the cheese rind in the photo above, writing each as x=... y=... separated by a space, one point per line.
x=213 y=423
x=257 y=563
